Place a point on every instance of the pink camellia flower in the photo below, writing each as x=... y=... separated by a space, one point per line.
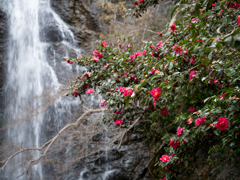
x=141 y=1
x=90 y=91
x=213 y=5
x=154 y=104
x=128 y=46
x=192 y=109
x=163 y=179
x=144 y=52
x=238 y=20
x=215 y=80
x=194 y=19
x=151 y=46
x=164 y=67
x=120 y=45
x=118 y=122
x=164 y=158
x=221 y=96
x=164 y=112
x=137 y=53
x=127 y=60
x=177 y=49
x=179 y=131
x=128 y=92
x=76 y=93
x=106 y=65
x=174 y=143
x=104 y=44
x=173 y=27
x=121 y=89
x=192 y=73
x=160 y=44
x=132 y=56
x=155 y=93
x=200 y=121
x=222 y=124
x=102 y=103
x=160 y=34
x=190 y=120
x=95 y=58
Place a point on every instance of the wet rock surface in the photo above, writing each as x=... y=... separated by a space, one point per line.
x=81 y=17
x=126 y=163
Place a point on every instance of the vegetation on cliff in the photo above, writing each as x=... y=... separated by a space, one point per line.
x=183 y=90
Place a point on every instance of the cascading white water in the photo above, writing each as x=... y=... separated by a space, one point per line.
x=29 y=76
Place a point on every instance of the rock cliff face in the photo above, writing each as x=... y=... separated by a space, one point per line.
x=3 y=50
x=81 y=16
x=126 y=163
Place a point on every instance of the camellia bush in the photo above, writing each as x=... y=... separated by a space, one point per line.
x=183 y=86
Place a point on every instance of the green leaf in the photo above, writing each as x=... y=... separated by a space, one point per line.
x=206 y=62
x=174 y=9
x=127 y=102
x=216 y=132
x=197 y=11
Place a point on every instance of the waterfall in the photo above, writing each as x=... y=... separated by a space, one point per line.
x=30 y=81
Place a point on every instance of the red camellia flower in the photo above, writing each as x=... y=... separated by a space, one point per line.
x=200 y=121
x=173 y=27
x=118 y=122
x=174 y=143
x=164 y=158
x=192 y=73
x=184 y=141
x=117 y=112
x=213 y=5
x=177 y=49
x=160 y=34
x=222 y=124
x=164 y=111
x=120 y=45
x=192 y=109
x=179 y=131
x=221 y=96
x=155 y=93
x=76 y=93
x=136 y=3
x=163 y=179
x=128 y=92
x=141 y=1
x=90 y=91
x=104 y=44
